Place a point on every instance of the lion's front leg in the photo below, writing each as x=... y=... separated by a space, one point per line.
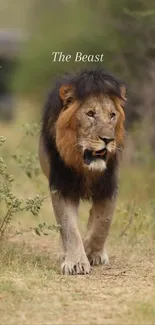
x=76 y=261
x=97 y=230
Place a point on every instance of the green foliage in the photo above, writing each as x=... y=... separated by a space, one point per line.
x=12 y=202
x=44 y=229
x=28 y=164
x=123 y=30
x=31 y=129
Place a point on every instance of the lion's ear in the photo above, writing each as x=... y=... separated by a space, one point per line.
x=123 y=92
x=66 y=92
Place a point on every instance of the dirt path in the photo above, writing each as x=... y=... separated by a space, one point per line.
x=32 y=291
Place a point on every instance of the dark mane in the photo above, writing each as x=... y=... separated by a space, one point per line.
x=84 y=83
x=63 y=178
x=94 y=82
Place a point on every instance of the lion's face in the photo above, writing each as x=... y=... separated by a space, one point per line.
x=96 y=123
x=89 y=132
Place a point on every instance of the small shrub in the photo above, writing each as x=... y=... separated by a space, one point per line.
x=12 y=202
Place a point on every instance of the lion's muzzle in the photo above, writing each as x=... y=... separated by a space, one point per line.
x=90 y=156
x=106 y=140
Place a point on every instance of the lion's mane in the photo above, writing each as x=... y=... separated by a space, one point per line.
x=59 y=132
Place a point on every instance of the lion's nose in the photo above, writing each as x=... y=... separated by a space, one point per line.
x=106 y=140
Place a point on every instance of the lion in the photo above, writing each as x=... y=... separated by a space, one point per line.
x=81 y=141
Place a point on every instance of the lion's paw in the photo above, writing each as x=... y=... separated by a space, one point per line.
x=71 y=268
x=98 y=258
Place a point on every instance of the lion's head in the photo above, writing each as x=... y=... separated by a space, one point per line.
x=90 y=128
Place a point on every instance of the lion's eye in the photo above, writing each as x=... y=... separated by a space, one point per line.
x=112 y=115
x=90 y=113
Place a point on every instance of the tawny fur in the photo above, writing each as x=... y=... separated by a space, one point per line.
x=66 y=137
x=67 y=128
x=71 y=138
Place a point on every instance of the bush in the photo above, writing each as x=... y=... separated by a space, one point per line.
x=11 y=202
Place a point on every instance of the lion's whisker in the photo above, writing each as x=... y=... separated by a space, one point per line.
x=78 y=144
x=119 y=149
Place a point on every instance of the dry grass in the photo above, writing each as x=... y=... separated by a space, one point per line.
x=32 y=291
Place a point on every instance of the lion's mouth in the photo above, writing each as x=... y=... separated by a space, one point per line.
x=90 y=155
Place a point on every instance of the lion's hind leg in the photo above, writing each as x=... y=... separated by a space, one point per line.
x=97 y=231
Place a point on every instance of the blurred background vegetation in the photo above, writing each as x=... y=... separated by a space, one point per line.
x=123 y=30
